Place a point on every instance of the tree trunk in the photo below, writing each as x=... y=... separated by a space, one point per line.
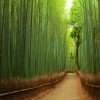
x=76 y=60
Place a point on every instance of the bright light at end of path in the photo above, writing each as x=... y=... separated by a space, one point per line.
x=69 y=4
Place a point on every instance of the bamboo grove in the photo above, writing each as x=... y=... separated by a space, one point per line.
x=89 y=52
x=32 y=38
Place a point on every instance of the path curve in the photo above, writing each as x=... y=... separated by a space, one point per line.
x=70 y=89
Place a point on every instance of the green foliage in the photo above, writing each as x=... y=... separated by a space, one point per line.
x=75 y=13
x=76 y=35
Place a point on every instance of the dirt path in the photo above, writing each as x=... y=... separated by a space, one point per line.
x=70 y=89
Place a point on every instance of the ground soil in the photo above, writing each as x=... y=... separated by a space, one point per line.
x=69 y=89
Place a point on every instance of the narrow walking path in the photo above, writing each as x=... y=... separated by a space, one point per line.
x=68 y=90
